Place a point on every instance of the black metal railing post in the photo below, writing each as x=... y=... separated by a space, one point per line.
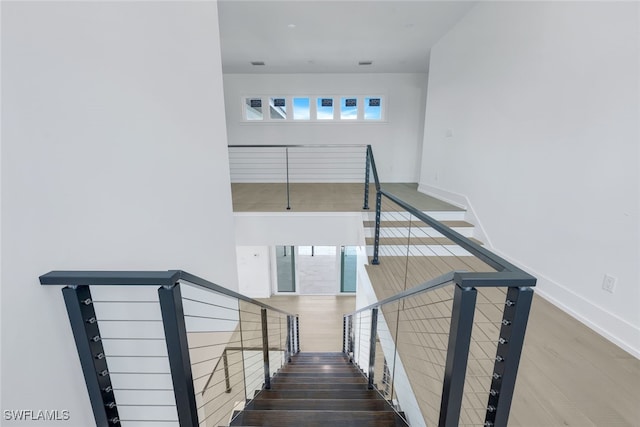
x=286 y=150
x=297 y=334
x=289 y=343
x=372 y=346
x=352 y=338
x=376 y=239
x=265 y=349
x=512 y=331
x=366 y=177
x=227 y=379
x=345 y=339
x=464 y=303
x=175 y=332
x=86 y=334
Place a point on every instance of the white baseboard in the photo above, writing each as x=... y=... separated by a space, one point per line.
x=619 y=331
x=461 y=202
x=609 y=325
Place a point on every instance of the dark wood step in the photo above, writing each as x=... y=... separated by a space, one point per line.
x=316 y=418
x=318 y=357
x=318 y=394
x=287 y=374
x=320 y=404
x=319 y=380
x=315 y=361
x=321 y=372
x=321 y=368
x=318 y=386
x=325 y=363
x=320 y=353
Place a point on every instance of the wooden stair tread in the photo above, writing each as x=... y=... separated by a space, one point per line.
x=288 y=374
x=310 y=418
x=320 y=404
x=440 y=241
x=318 y=389
x=318 y=386
x=318 y=394
x=319 y=380
x=415 y=224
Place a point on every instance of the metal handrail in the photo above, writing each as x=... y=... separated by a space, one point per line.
x=374 y=169
x=515 y=314
x=93 y=359
x=293 y=145
x=430 y=285
x=224 y=357
x=141 y=278
x=484 y=254
x=493 y=260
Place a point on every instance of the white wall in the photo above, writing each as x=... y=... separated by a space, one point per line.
x=541 y=99
x=299 y=229
x=256 y=233
x=254 y=271
x=113 y=157
x=395 y=142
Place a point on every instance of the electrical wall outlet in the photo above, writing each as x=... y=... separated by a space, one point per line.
x=609 y=283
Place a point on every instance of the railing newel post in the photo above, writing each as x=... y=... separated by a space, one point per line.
x=376 y=240
x=265 y=348
x=366 y=177
x=175 y=332
x=372 y=346
x=86 y=333
x=289 y=344
x=227 y=379
x=297 y=322
x=287 y=166
x=462 y=313
x=509 y=349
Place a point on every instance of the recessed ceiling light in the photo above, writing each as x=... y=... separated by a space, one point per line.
x=291 y=25
x=365 y=62
x=257 y=62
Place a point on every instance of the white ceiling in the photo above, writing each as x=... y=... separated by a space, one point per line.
x=323 y=36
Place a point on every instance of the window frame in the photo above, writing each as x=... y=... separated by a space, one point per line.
x=313 y=113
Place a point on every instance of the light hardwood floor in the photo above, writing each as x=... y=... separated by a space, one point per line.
x=320 y=318
x=569 y=375
x=323 y=197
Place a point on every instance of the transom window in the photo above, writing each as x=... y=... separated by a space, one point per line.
x=327 y=109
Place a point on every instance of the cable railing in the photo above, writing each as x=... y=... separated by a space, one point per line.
x=296 y=166
x=449 y=321
x=170 y=349
x=441 y=342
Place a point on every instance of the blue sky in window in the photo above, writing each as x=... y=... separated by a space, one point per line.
x=301 y=110
x=372 y=113
x=324 y=113
x=348 y=113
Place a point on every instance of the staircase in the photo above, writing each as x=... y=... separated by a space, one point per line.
x=395 y=228
x=319 y=389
